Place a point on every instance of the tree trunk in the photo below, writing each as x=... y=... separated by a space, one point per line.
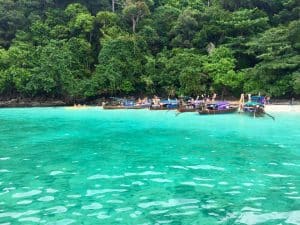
x=223 y=92
x=113 y=5
x=133 y=24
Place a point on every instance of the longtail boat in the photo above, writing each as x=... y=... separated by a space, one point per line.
x=218 y=108
x=190 y=106
x=255 y=107
x=187 y=108
x=125 y=104
x=165 y=105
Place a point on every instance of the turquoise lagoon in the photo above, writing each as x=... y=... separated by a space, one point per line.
x=91 y=166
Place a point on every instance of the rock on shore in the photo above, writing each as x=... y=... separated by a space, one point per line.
x=31 y=103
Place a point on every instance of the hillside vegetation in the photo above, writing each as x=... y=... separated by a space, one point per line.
x=86 y=49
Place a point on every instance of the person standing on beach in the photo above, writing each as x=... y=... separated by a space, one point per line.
x=267 y=100
x=249 y=97
x=241 y=102
x=214 y=97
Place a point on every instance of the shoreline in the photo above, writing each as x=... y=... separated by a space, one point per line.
x=14 y=103
x=276 y=106
x=268 y=108
x=282 y=108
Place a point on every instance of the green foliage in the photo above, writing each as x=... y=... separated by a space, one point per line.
x=120 y=65
x=181 y=72
x=296 y=81
x=184 y=29
x=278 y=52
x=134 y=11
x=220 y=67
x=84 y=49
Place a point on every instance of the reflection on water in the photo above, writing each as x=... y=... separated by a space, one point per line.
x=62 y=166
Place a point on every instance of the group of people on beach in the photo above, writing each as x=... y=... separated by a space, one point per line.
x=266 y=99
x=181 y=101
x=190 y=101
x=142 y=101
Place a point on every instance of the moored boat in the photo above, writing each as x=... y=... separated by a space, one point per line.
x=187 y=108
x=165 y=105
x=190 y=106
x=255 y=107
x=218 y=108
x=125 y=104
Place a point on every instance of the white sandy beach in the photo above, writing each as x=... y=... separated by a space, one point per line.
x=282 y=108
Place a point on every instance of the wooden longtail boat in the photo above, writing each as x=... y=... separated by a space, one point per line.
x=218 y=108
x=191 y=107
x=126 y=107
x=165 y=105
x=118 y=103
x=162 y=107
x=183 y=109
x=255 y=107
x=217 y=111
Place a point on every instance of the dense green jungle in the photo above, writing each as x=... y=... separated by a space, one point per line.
x=86 y=49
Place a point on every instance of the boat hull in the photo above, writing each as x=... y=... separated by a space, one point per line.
x=260 y=112
x=183 y=109
x=213 y=112
x=124 y=107
x=162 y=108
x=159 y=108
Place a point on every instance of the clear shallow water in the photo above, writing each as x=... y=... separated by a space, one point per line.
x=62 y=166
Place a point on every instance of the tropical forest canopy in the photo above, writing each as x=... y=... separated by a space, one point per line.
x=86 y=49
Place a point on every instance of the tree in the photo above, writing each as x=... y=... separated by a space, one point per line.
x=135 y=10
x=81 y=21
x=184 y=29
x=11 y=19
x=296 y=81
x=220 y=65
x=164 y=19
x=120 y=65
x=277 y=50
x=181 y=72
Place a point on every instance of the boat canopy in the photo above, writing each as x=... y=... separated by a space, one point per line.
x=253 y=104
x=128 y=102
x=258 y=99
x=169 y=101
x=218 y=105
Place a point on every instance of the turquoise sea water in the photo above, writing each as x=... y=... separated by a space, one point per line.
x=91 y=166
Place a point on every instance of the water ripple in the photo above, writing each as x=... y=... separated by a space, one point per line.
x=4 y=158
x=57 y=209
x=103 y=191
x=24 y=202
x=277 y=175
x=26 y=194
x=62 y=222
x=206 y=167
x=251 y=218
x=93 y=206
x=46 y=199
x=146 y=173
x=30 y=219
x=169 y=203
x=18 y=214
x=56 y=172
x=100 y=176
x=160 y=180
